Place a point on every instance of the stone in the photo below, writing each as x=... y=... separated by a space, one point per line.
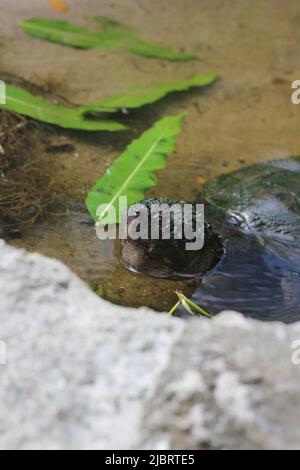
x=230 y=384
x=78 y=368
x=77 y=372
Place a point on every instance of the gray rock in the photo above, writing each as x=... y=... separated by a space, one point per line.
x=81 y=373
x=230 y=384
x=78 y=368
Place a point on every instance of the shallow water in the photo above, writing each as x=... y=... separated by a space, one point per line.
x=250 y=279
x=245 y=118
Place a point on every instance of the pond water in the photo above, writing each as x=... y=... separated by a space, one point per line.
x=246 y=117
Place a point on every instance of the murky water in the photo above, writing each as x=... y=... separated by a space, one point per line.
x=245 y=118
x=250 y=279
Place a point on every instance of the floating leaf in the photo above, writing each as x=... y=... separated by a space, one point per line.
x=61 y=32
x=113 y=25
x=118 y=40
x=134 y=171
x=138 y=96
x=36 y=107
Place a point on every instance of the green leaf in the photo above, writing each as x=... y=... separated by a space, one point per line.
x=118 y=40
x=22 y=102
x=188 y=305
x=138 y=96
x=113 y=25
x=133 y=172
x=62 y=32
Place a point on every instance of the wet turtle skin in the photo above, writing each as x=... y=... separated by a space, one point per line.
x=260 y=274
x=263 y=200
x=169 y=258
x=256 y=212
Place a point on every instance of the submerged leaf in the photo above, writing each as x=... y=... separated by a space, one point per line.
x=138 y=96
x=116 y=39
x=60 y=32
x=22 y=102
x=113 y=25
x=134 y=171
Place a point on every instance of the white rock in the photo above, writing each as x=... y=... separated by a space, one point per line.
x=251 y=399
x=80 y=373
x=77 y=371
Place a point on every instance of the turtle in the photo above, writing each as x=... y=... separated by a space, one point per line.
x=250 y=260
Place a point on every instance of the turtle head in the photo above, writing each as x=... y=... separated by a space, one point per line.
x=136 y=255
x=154 y=247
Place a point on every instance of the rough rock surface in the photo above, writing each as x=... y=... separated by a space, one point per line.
x=78 y=369
x=230 y=384
x=82 y=373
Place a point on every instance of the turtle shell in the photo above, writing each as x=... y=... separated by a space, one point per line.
x=264 y=200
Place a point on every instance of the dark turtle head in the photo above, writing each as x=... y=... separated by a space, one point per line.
x=157 y=243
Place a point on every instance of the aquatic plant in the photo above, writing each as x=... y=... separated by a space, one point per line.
x=188 y=305
x=85 y=117
x=113 y=25
x=137 y=96
x=113 y=38
x=28 y=184
x=22 y=102
x=134 y=171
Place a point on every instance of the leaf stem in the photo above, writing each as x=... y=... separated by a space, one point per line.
x=198 y=309
x=176 y=306
x=188 y=306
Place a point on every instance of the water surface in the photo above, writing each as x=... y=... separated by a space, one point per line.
x=246 y=117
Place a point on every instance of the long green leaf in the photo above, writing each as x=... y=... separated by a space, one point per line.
x=138 y=96
x=35 y=107
x=113 y=25
x=134 y=171
x=118 y=40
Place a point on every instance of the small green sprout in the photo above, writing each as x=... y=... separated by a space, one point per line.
x=188 y=305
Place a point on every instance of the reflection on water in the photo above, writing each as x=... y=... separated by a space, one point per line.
x=253 y=281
